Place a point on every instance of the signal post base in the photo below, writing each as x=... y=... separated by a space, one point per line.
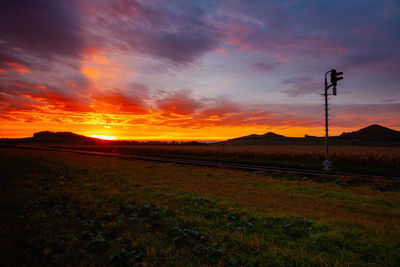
x=327 y=164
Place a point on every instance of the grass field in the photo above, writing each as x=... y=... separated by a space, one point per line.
x=359 y=159
x=61 y=208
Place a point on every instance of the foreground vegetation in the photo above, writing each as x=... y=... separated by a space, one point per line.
x=67 y=209
x=367 y=160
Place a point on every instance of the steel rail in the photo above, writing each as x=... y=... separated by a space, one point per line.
x=249 y=167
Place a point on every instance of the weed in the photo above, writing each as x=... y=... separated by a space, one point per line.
x=102 y=216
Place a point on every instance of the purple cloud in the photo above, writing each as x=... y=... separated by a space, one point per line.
x=40 y=28
x=179 y=35
x=260 y=66
x=298 y=86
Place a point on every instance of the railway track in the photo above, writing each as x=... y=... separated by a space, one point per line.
x=211 y=164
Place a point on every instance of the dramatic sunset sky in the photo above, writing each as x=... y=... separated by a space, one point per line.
x=196 y=70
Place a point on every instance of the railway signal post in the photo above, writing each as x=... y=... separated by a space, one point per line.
x=335 y=76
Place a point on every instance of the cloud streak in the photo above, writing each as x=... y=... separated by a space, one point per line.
x=179 y=36
x=42 y=29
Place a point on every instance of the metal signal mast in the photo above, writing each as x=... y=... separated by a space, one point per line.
x=335 y=76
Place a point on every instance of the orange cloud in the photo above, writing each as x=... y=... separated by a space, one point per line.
x=178 y=115
x=18 y=67
x=102 y=70
x=178 y=103
x=100 y=60
x=116 y=101
x=220 y=109
x=90 y=72
x=40 y=87
x=53 y=99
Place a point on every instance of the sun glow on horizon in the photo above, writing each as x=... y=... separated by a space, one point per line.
x=103 y=137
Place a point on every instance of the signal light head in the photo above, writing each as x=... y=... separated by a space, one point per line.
x=336 y=76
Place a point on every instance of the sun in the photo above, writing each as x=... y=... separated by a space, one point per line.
x=103 y=137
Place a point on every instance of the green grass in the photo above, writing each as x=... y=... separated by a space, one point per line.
x=76 y=210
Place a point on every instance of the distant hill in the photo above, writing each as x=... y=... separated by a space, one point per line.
x=55 y=137
x=256 y=136
x=59 y=138
x=375 y=135
x=269 y=138
x=373 y=132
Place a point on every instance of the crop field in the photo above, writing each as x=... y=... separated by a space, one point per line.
x=359 y=159
x=69 y=209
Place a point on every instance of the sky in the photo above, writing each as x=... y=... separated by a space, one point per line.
x=196 y=70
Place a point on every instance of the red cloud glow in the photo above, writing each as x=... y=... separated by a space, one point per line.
x=17 y=67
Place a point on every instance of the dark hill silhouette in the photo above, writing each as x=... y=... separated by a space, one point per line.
x=61 y=136
x=373 y=132
x=375 y=135
x=372 y=135
x=256 y=136
x=271 y=134
x=269 y=138
x=47 y=137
